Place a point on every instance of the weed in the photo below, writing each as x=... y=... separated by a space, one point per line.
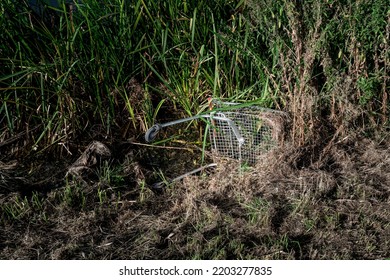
x=73 y=195
x=16 y=209
x=102 y=195
x=143 y=190
x=109 y=174
x=310 y=224
x=36 y=201
x=257 y=211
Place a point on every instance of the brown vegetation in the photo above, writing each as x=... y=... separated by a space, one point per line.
x=291 y=205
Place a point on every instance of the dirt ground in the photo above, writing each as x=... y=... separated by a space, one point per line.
x=331 y=202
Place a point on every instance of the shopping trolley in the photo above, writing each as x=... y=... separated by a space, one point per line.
x=237 y=131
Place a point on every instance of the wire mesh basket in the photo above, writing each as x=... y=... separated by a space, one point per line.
x=237 y=131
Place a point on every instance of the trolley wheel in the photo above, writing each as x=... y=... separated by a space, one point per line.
x=152 y=132
x=158 y=188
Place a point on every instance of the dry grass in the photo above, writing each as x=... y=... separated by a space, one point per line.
x=292 y=205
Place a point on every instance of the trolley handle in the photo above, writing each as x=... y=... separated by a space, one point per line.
x=152 y=132
x=159 y=186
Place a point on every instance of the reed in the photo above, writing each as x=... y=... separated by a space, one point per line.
x=96 y=67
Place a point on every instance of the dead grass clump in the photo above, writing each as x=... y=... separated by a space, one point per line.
x=278 y=123
x=275 y=210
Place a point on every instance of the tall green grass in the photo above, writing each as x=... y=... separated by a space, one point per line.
x=105 y=65
x=328 y=61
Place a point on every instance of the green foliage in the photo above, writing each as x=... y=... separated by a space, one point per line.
x=73 y=196
x=19 y=208
x=111 y=63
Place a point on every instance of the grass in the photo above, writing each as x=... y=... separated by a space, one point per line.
x=92 y=56
x=19 y=208
x=258 y=211
x=74 y=68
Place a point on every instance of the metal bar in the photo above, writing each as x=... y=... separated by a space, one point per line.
x=152 y=132
x=161 y=185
